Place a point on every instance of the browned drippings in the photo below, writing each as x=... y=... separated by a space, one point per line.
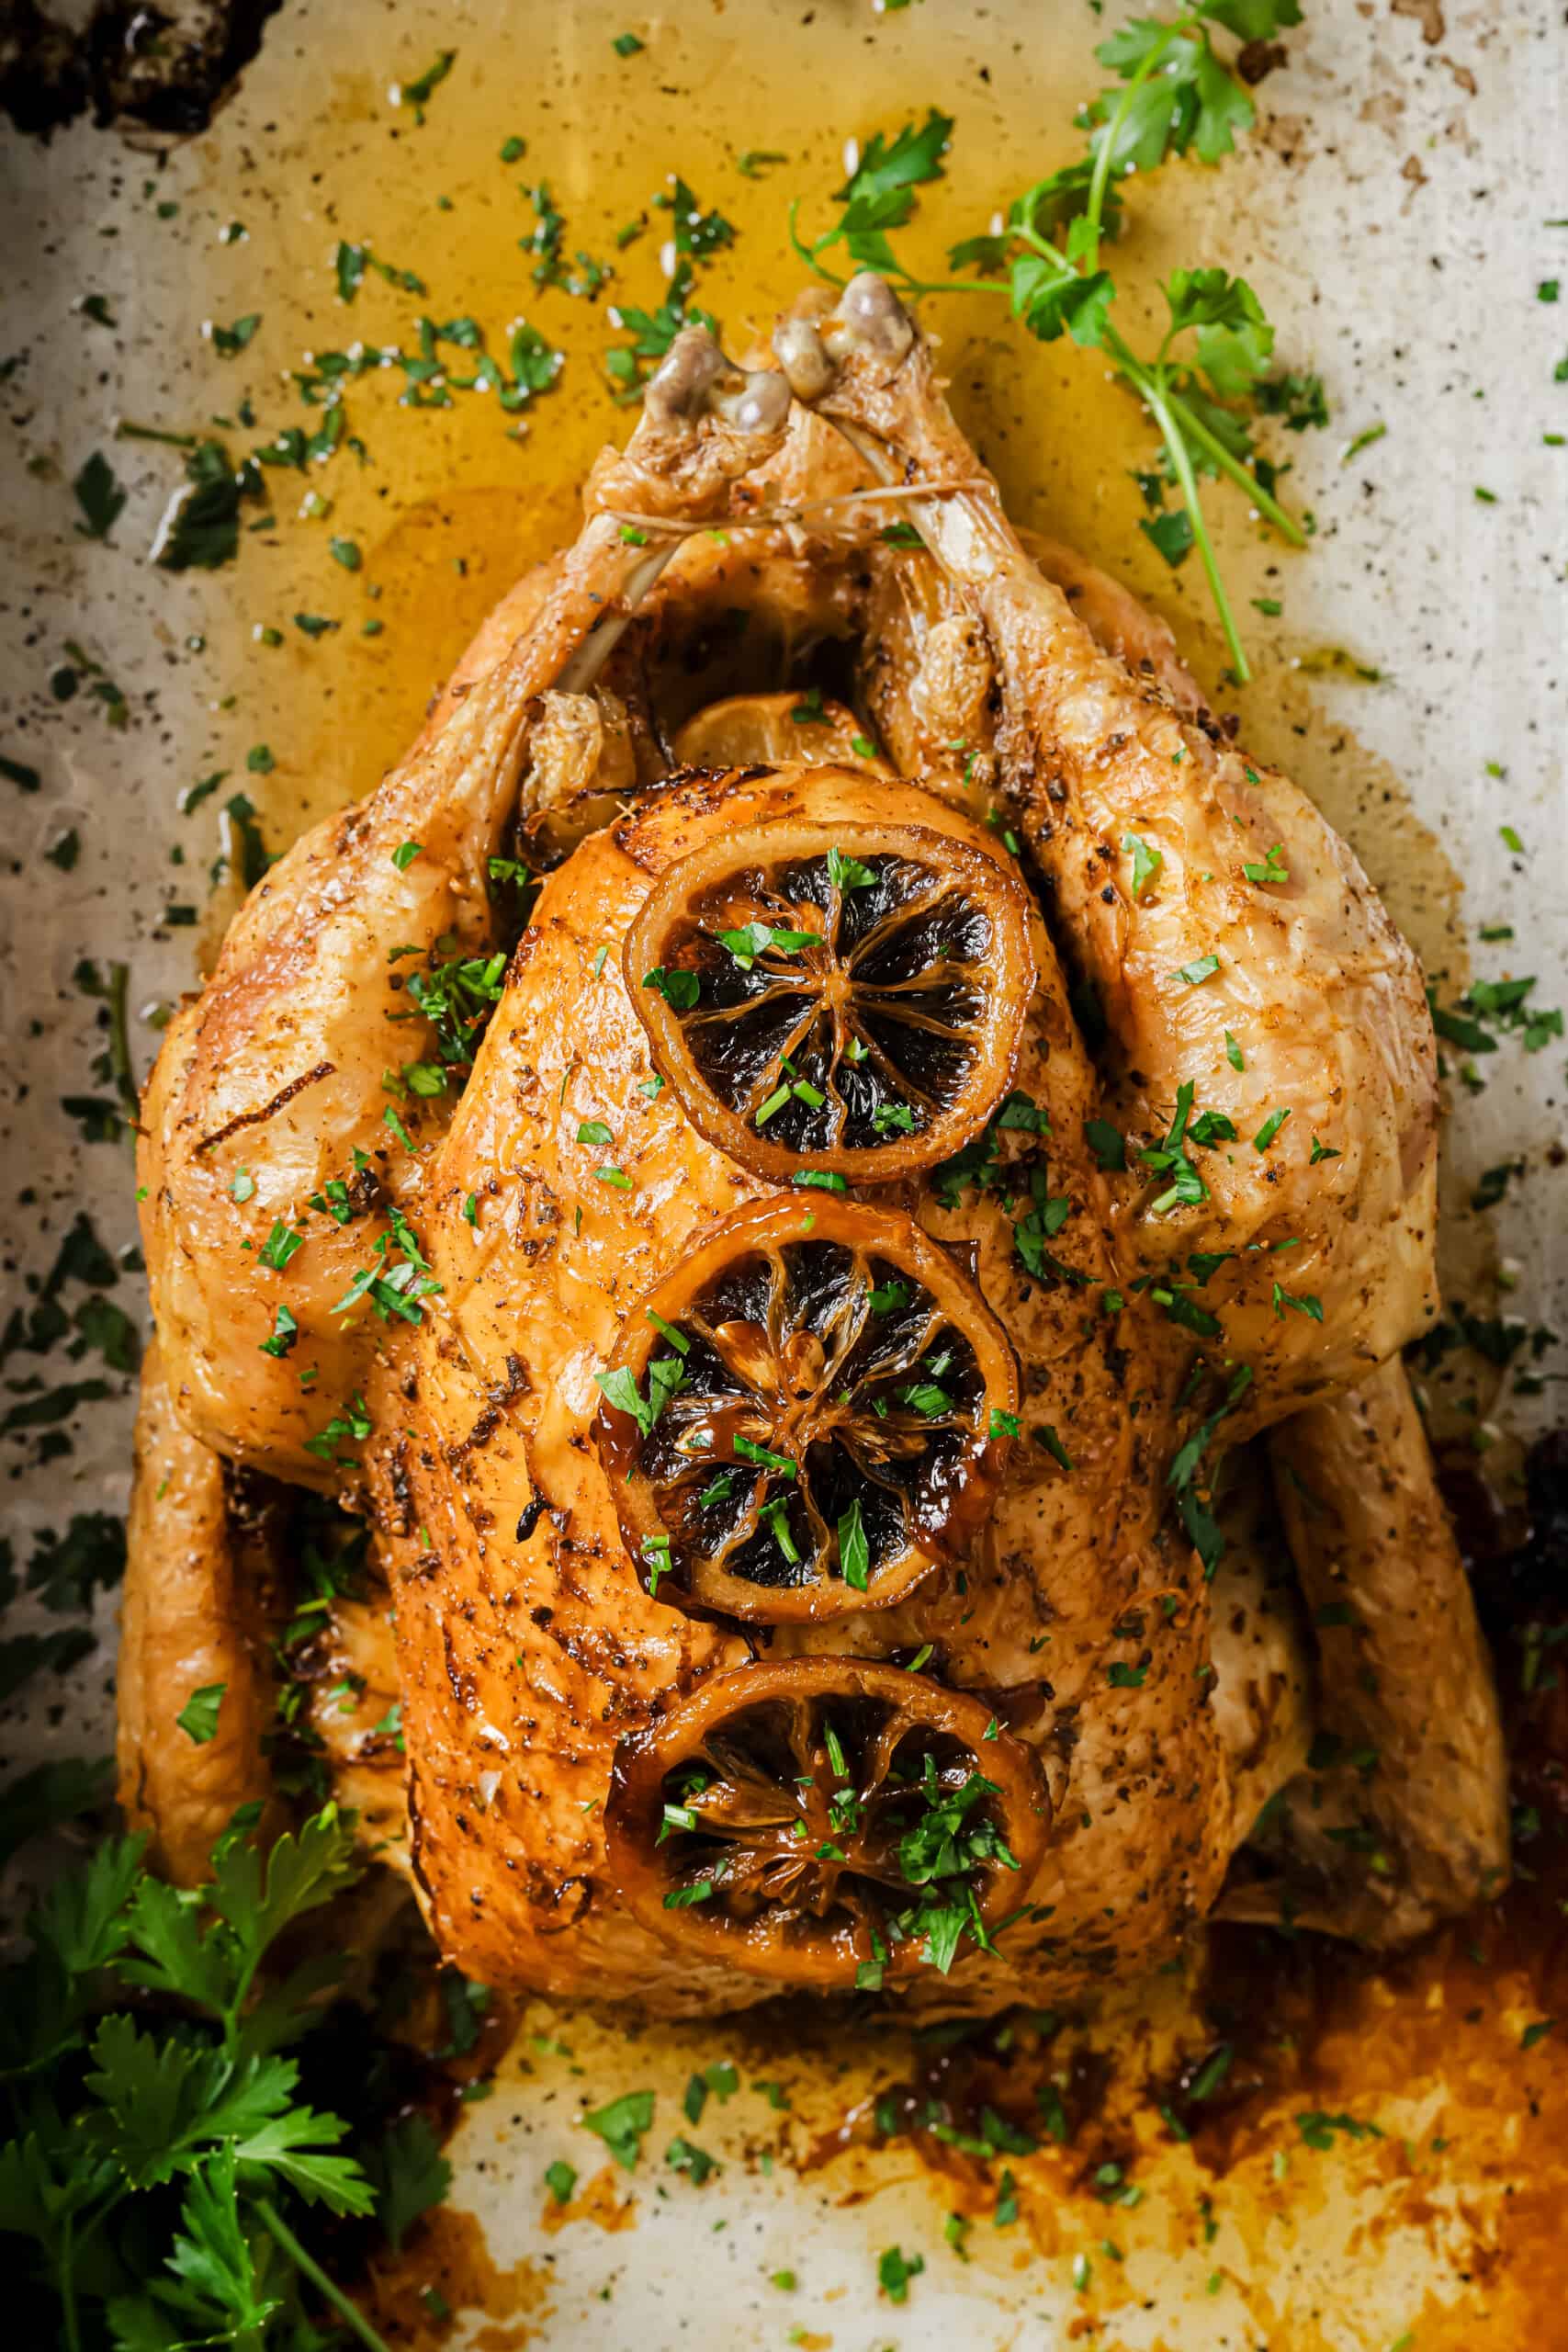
x=418 y=2298
x=598 y=2200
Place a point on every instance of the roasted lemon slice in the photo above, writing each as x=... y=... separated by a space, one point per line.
x=775 y=730
x=826 y=1821
x=809 y=1412
x=835 y=1003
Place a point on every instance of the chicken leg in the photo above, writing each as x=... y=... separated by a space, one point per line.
x=1242 y=964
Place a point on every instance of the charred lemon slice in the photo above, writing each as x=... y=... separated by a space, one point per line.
x=837 y=1003
x=774 y=730
x=806 y=1415
x=826 y=1821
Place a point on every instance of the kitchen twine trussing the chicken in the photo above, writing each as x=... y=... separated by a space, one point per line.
x=774 y=516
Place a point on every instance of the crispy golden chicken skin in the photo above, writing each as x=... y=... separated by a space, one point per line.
x=786 y=1337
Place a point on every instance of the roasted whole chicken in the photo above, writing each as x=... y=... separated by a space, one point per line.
x=857 y=1322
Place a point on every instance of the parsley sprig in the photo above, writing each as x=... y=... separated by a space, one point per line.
x=1173 y=96
x=160 y=2156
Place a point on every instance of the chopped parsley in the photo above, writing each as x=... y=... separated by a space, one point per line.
x=855 y=1553
x=895 y=2269
x=621 y=2124
x=665 y=1375
x=199 y=1717
x=680 y=989
x=280 y=1246
x=99 y=495
x=1146 y=863
x=1202 y=969
x=1272 y=868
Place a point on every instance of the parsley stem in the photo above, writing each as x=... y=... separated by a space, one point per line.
x=1181 y=465
x=1113 y=132
x=905 y=279
x=1179 y=424
x=951 y=285
x=808 y=253
x=351 y=2318
x=1196 y=430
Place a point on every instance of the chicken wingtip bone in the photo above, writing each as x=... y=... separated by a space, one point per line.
x=695 y=379
x=868 y=322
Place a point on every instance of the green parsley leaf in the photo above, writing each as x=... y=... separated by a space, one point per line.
x=1107 y=1145
x=285 y=1331
x=1272 y=869
x=409 y=2173
x=680 y=989
x=1146 y=863
x=684 y=2155
x=855 y=1553
x=894 y=2271
x=878 y=195
x=847 y=873
x=746 y=1451
x=280 y=1246
x=1044 y=1434
x=1171 y=532
x=228 y=342
x=418 y=93
x=99 y=496
x=665 y=1375
x=1203 y=967
x=199 y=1717
x=621 y=2124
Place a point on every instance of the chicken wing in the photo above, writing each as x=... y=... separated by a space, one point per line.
x=203 y=1576
x=1401 y=1818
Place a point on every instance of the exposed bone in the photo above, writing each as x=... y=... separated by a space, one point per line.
x=869 y=320
x=694 y=375
x=694 y=379
x=804 y=356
